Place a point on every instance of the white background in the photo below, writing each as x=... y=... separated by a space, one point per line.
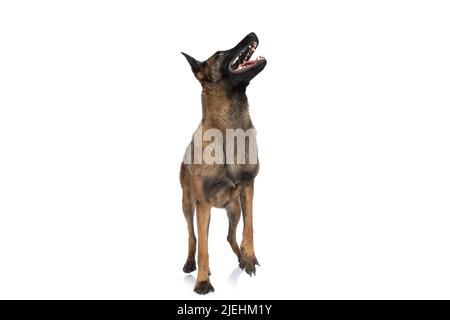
x=97 y=106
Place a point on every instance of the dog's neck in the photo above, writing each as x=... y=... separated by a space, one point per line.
x=225 y=108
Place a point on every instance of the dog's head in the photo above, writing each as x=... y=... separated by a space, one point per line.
x=232 y=66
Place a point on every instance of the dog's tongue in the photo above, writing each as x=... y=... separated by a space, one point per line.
x=248 y=62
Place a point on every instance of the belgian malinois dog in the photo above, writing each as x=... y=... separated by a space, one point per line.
x=224 y=182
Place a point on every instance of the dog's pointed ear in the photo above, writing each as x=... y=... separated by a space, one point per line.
x=196 y=66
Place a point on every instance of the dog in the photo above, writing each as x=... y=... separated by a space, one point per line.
x=223 y=182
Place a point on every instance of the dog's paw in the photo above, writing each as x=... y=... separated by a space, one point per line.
x=248 y=263
x=189 y=266
x=203 y=287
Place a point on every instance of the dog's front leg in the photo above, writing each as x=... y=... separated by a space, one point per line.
x=202 y=285
x=248 y=259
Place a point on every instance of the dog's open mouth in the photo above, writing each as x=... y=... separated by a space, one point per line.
x=242 y=61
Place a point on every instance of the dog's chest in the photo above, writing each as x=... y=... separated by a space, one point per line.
x=224 y=186
x=241 y=173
